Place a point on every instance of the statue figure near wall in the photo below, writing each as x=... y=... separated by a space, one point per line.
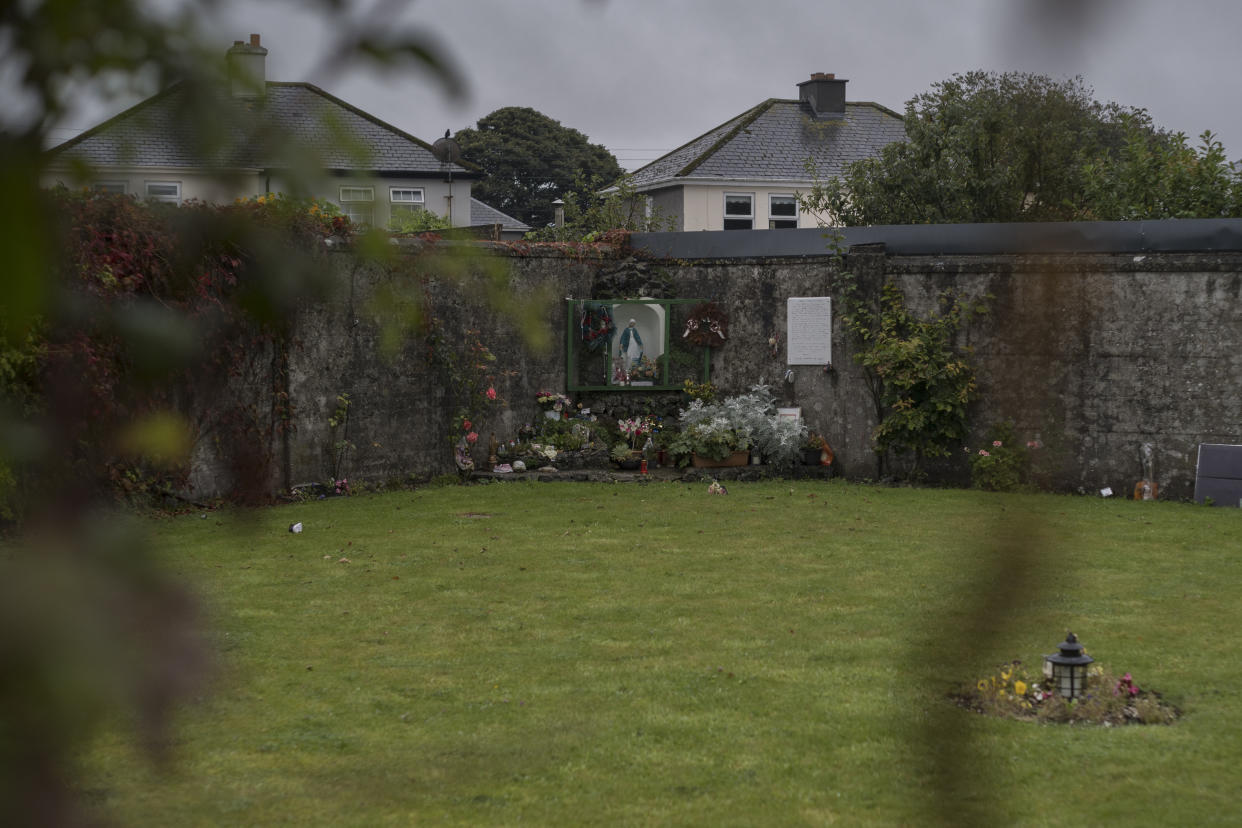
x=631 y=347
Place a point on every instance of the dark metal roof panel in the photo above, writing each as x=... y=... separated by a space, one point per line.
x=1162 y=236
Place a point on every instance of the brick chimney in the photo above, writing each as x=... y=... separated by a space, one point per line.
x=247 y=65
x=825 y=93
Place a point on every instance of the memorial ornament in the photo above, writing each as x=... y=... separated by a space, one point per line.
x=707 y=325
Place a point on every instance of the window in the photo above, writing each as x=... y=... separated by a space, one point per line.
x=782 y=212
x=169 y=191
x=115 y=187
x=356 y=204
x=739 y=212
x=405 y=200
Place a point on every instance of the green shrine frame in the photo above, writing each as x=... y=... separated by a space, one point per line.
x=677 y=361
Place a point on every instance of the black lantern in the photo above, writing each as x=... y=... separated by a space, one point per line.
x=1067 y=670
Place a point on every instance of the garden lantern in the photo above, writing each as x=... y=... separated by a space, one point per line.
x=1067 y=670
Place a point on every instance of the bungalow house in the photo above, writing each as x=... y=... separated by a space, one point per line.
x=746 y=173
x=369 y=168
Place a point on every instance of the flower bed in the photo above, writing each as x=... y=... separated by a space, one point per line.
x=1011 y=693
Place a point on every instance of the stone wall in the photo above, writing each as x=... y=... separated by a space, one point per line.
x=1091 y=353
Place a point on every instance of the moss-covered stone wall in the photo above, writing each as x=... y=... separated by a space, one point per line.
x=1093 y=355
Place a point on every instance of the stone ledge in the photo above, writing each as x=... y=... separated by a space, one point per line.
x=687 y=475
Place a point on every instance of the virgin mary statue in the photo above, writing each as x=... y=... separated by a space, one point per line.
x=631 y=346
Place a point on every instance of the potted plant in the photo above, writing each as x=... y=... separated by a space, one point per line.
x=777 y=439
x=625 y=457
x=643 y=371
x=710 y=444
x=720 y=433
x=816 y=451
x=634 y=430
x=554 y=405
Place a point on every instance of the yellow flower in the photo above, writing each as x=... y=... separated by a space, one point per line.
x=1019 y=687
x=982 y=685
x=1006 y=673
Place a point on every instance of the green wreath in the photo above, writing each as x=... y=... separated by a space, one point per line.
x=596 y=325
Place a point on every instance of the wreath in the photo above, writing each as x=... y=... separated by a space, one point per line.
x=707 y=325
x=596 y=325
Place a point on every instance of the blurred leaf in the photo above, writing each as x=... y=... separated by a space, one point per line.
x=162 y=438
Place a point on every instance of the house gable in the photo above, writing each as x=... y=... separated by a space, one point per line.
x=257 y=145
x=763 y=154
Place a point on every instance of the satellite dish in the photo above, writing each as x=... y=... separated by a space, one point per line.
x=446 y=149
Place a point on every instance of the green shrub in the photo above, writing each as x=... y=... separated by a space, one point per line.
x=1003 y=464
x=417 y=221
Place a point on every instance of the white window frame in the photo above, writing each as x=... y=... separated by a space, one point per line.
x=772 y=219
x=352 y=197
x=750 y=217
x=115 y=187
x=407 y=199
x=170 y=198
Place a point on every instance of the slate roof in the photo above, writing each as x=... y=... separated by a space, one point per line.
x=773 y=142
x=481 y=213
x=159 y=133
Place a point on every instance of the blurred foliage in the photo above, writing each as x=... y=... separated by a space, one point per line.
x=988 y=146
x=108 y=303
x=530 y=161
x=160 y=308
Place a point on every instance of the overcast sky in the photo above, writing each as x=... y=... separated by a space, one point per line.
x=645 y=76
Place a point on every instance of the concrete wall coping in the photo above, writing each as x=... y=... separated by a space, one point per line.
x=1168 y=235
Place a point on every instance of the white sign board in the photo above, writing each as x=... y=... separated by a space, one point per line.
x=808 y=323
x=794 y=414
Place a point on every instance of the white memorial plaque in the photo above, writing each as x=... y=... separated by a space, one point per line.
x=794 y=414
x=808 y=323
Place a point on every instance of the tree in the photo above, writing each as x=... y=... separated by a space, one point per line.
x=531 y=160
x=1162 y=176
x=986 y=147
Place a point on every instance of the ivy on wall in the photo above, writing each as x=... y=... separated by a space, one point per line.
x=149 y=289
x=920 y=381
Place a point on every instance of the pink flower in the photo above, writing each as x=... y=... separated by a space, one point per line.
x=984 y=453
x=472 y=437
x=465 y=424
x=996 y=444
x=491 y=393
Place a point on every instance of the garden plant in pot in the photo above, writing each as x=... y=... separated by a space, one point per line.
x=628 y=453
x=816 y=451
x=721 y=433
x=625 y=457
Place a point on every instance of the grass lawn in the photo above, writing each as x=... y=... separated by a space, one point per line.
x=582 y=654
